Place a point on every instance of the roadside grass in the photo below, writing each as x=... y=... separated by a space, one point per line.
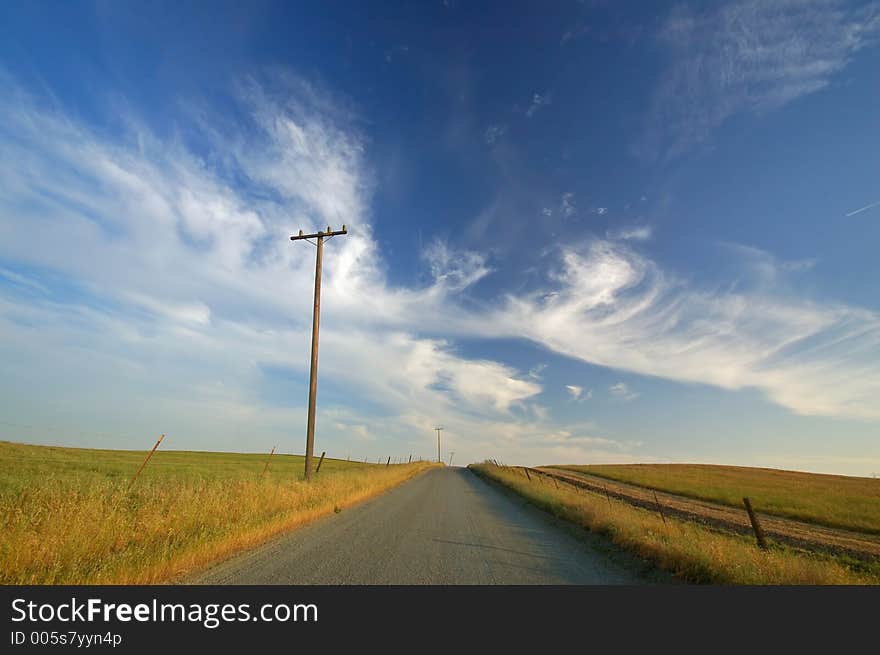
x=66 y=518
x=832 y=500
x=690 y=551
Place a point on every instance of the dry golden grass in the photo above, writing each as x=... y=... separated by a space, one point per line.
x=65 y=517
x=833 y=500
x=690 y=551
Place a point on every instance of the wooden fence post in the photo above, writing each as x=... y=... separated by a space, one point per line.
x=527 y=473
x=162 y=436
x=320 y=461
x=389 y=460
x=265 y=468
x=659 y=508
x=759 y=533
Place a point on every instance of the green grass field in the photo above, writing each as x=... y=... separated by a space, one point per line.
x=831 y=500
x=66 y=516
x=23 y=465
x=689 y=550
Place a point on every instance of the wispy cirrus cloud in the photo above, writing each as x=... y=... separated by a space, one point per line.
x=750 y=56
x=611 y=306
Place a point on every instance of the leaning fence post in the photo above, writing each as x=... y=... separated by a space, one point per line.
x=320 y=461
x=265 y=468
x=607 y=497
x=162 y=436
x=659 y=508
x=527 y=473
x=759 y=533
x=389 y=460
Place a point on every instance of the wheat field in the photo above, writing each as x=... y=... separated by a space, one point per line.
x=692 y=552
x=834 y=500
x=67 y=517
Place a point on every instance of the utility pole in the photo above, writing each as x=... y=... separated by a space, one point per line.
x=438 y=444
x=451 y=455
x=316 y=323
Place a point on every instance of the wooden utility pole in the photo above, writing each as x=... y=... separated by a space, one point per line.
x=438 y=444
x=316 y=323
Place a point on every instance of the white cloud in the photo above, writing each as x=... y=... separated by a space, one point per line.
x=601 y=210
x=567 y=206
x=622 y=390
x=634 y=233
x=538 y=102
x=577 y=392
x=23 y=281
x=494 y=132
x=862 y=209
x=454 y=270
x=749 y=56
x=535 y=371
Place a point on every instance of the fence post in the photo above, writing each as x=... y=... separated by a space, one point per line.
x=145 y=462
x=527 y=473
x=759 y=533
x=607 y=497
x=265 y=468
x=389 y=460
x=320 y=461
x=659 y=508
x=410 y=460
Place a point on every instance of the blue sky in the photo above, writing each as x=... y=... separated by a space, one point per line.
x=579 y=232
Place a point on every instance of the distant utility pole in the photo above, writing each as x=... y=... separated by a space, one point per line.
x=438 y=444
x=316 y=323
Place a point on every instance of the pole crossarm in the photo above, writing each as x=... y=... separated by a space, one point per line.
x=328 y=233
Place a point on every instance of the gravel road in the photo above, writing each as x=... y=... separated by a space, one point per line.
x=447 y=526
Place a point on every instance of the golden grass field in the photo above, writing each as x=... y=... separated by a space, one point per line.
x=66 y=517
x=832 y=500
x=689 y=550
